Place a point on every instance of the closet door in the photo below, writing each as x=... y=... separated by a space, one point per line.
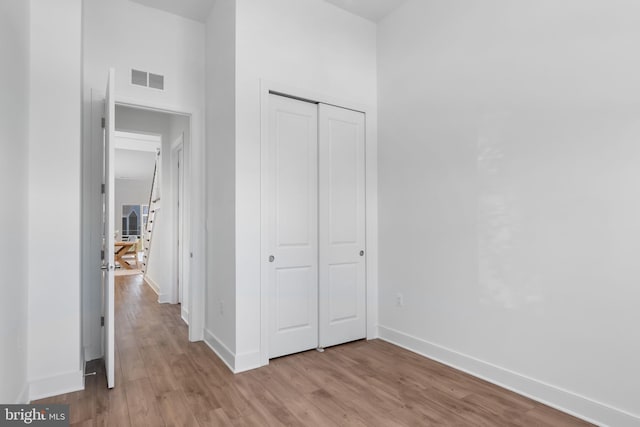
x=292 y=206
x=342 y=279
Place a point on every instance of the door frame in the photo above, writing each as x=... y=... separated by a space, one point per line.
x=178 y=207
x=371 y=201
x=194 y=228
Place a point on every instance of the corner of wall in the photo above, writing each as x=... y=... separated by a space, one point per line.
x=92 y=353
x=163 y=297
x=152 y=284
x=247 y=361
x=220 y=349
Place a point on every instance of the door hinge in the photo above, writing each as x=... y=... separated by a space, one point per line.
x=102 y=321
x=102 y=255
x=104 y=123
x=102 y=188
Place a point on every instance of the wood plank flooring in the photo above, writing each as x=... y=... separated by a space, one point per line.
x=162 y=379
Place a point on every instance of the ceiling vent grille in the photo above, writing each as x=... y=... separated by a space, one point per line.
x=146 y=79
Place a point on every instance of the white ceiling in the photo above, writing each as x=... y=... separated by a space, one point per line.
x=373 y=10
x=198 y=10
x=132 y=164
x=135 y=154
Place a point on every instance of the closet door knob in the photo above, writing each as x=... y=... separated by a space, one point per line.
x=271 y=258
x=361 y=253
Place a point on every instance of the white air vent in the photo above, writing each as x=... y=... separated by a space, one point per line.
x=138 y=77
x=146 y=79
x=156 y=81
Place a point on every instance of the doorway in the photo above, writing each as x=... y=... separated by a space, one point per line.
x=136 y=159
x=165 y=270
x=97 y=327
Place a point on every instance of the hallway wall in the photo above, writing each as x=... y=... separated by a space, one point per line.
x=14 y=135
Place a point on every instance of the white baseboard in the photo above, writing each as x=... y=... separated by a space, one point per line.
x=23 y=397
x=247 y=361
x=55 y=385
x=152 y=284
x=185 y=315
x=236 y=363
x=563 y=400
x=162 y=298
x=220 y=349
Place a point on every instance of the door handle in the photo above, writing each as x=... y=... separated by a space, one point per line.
x=271 y=258
x=106 y=267
x=361 y=253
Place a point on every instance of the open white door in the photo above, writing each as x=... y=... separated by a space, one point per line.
x=342 y=269
x=108 y=261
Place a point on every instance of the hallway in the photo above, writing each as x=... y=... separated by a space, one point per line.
x=162 y=379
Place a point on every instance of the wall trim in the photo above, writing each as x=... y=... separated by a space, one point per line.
x=184 y=314
x=164 y=299
x=221 y=350
x=235 y=362
x=566 y=401
x=248 y=361
x=55 y=385
x=152 y=284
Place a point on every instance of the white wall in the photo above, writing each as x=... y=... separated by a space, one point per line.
x=125 y=35
x=220 y=295
x=14 y=122
x=53 y=231
x=305 y=44
x=509 y=195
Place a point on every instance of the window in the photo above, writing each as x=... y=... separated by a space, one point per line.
x=134 y=217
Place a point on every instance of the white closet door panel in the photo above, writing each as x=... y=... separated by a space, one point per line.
x=343 y=292
x=292 y=202
x=342 y=280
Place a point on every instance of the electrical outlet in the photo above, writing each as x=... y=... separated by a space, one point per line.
x=399 y=300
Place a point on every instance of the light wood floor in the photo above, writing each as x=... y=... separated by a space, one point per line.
x=162 y=379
